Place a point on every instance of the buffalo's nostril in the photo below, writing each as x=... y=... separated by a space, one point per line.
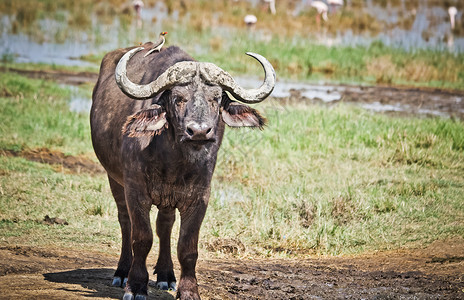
x=199 y=131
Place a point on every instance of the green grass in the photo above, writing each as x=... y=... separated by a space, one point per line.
x=340 y=180
x=30 y=191
x=35 y=113
x=330 y=180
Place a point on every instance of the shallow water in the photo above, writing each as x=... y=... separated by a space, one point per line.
x=430 y=25
x=55 y=42
x=80 y=101
x=26 y=50
x=429 y=29
x=283 y=89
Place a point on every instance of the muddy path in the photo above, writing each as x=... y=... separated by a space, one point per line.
x=60 y=161
x=436 y=272
x=402 y=100
x=65 y=77
x=397 y=100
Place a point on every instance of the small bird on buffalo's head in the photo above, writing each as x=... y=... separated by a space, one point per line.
x=158 y=44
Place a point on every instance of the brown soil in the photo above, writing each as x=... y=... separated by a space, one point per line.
x=425 y=101
x=436 y=272
x=67 y=77
x=397 y=100
x=61 y=162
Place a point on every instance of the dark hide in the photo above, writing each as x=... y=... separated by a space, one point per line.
x=162 y=152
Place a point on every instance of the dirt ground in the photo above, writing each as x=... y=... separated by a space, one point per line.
x=60 y=161
x=436 y=272
x=428 y=102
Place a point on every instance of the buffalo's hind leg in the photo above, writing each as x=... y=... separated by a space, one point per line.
x=166 y=279
x=125 y=260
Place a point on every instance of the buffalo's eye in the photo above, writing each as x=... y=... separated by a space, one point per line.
x=214 y=104
x=179 y=100
x=216 y=100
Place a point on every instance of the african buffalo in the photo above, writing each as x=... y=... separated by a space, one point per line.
x=162 y=151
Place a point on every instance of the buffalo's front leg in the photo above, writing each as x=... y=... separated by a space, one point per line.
x=125 y=260
x=139 y=205
x=187 y=250
x=164 y=268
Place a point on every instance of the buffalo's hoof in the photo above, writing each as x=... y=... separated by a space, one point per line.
x=164 y=286
x=130 y=296
x=117 y=281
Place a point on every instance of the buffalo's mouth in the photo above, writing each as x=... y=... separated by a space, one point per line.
x=197 y=142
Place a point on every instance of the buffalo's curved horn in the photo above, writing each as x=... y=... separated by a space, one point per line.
x=180 y=73
x=216 y=75
x=183 y=73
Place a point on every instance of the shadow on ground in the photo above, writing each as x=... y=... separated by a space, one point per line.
x=95 y=283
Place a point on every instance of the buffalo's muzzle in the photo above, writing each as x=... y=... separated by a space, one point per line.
x=199 y=132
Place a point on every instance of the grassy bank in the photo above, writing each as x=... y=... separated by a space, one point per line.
x=301 y=58
x=316 y=180
x=35 y=113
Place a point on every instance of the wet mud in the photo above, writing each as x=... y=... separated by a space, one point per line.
x=436 y=272
x=428 y=102
x=65 y=77
x=60 y=161
x=404 y=101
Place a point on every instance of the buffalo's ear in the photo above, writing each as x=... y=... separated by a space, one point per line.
x=146 y=123
x=239 y=115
